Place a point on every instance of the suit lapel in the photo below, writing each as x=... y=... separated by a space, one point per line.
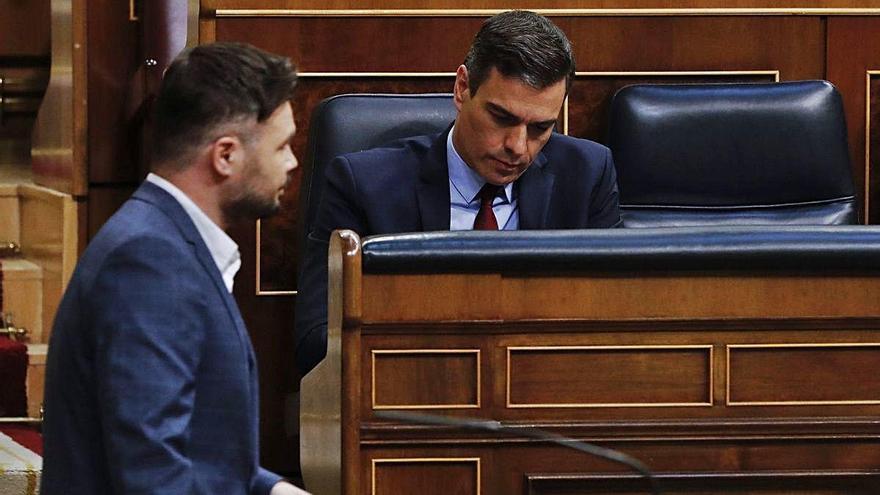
x=158 y=197
x=533 y=195
x=433 y=188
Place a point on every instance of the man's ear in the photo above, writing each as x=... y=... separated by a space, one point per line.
x=226 y=155
x=461 y=93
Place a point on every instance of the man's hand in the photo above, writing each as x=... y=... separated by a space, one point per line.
x=285 y=488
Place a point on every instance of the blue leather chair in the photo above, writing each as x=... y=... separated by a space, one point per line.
x=353 y=122
x=732 y=154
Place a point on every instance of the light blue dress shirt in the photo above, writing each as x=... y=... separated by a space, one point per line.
x=464 y=185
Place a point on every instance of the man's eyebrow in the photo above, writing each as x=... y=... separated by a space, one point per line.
x=503 y=112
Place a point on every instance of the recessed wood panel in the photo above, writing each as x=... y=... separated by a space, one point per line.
x=361 y=44
x=279 y=236
x=426 y=476
x=425 y=379
x=803 y=374
x=590 y=97
x=703 y=483
x=600 y=376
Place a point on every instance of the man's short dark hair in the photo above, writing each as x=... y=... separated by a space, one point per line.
x=214 y=84
x=523 y=45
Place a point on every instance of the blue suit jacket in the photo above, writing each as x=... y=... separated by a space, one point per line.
x=151 y=381
x=571 y=184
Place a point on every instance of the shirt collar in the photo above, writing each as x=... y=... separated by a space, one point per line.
x=464 y=179
x=223 y=249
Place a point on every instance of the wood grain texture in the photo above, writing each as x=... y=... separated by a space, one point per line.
x=529 y=4
x=24 y=28
x=424 y=379
x=804 y=374
x=609 y=376
x=851 y=54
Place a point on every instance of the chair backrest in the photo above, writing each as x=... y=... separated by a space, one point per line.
x=354 y=122
x=732 y=154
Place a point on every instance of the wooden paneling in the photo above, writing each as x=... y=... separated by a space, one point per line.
x=532 y=4
x=113 y=146
x=707 y=47
x=612 y=298
x=803 y=374
x=24 y=28
x=425 y=476
x=872 y=145
x=406 y=379
x=851 y=54
x=769 y=483
x=618 y=376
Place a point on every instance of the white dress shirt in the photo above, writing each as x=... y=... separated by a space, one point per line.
x=464 y=187
x=223 y=249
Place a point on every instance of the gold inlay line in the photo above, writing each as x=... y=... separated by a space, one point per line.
x=727 y=366
x=424 y=460
x=377 y=407
x=655 y=12
x=711 y=388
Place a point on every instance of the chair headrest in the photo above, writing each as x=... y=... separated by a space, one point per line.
x=730 y=145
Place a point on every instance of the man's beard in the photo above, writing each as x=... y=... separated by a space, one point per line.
x=248 y=206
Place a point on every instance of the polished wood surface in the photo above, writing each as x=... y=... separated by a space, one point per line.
x=533 y=4
x=706 y=383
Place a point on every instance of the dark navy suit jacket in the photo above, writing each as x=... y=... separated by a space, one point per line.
x=571 y=184
x=151 y=380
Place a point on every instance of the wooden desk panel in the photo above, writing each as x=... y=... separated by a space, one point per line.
x=701 y=387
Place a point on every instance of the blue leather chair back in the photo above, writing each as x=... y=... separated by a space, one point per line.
x=354 y=122
x=732 y=154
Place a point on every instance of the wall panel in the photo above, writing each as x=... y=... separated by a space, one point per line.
x=342 y=52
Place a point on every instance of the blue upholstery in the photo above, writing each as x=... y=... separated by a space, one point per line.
x=732 y=154
x=354 y=122
x=800 y=249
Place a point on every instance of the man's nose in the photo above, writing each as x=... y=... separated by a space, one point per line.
x=516 y=142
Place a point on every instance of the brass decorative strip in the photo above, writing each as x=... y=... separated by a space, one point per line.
x=795 y=346
x=710 y=387
x=657 y=12
x=677 y=73
x=868 y=76
x=424 y=460
x=478 y=387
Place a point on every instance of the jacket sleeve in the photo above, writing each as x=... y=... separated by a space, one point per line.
x=605 y=198
x=338 y=209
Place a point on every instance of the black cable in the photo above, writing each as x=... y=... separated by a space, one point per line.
x=529 y=432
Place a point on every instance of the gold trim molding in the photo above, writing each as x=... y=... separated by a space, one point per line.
x=729 y=402
x=424 y=460
x=377 y=407
x=711 y=387
x=549 y=12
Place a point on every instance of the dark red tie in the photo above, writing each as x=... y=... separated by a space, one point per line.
x=486 y=217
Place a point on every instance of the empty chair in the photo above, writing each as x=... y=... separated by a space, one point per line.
x=734 y=154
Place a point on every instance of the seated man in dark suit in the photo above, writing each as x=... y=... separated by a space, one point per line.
x=499 y=166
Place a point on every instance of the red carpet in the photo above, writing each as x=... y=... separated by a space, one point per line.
x=27 y=436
